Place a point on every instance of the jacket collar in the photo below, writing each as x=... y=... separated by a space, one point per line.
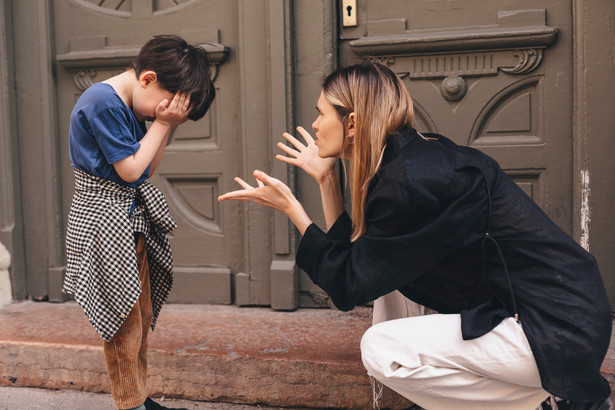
x=397 y=142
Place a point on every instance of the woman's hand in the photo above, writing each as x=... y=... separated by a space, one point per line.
x=321 y=169
x=270 y=192
x=273 y=193
x=306 y=156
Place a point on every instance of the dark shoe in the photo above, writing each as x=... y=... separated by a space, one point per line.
x=601 y=405
x=152 y=405
x=555 y=403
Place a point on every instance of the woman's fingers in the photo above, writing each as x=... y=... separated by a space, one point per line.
x=262 y=177
x=240 y=195
x=298 y=144
x=244 y=194
x=288 y=149
x=270 y=192
x=261 y=180
x=300 y=147
x=288 y=160
x=243 y=183
x=306 y=135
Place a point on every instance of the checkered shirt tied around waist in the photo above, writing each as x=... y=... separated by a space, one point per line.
x=102 y=269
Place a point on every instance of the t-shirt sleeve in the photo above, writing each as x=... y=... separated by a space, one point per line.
x=113 y=134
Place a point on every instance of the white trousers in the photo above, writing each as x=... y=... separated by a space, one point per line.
x=425 y=359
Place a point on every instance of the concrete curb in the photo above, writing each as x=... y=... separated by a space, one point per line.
x=308 y=358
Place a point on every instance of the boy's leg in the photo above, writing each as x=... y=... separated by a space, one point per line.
x=126 y=353
x=425 y=359
x=145 y=302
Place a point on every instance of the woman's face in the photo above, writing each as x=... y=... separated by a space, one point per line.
x=329 y=129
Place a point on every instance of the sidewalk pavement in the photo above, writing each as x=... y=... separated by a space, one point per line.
x=27 y=398
x=309 y=358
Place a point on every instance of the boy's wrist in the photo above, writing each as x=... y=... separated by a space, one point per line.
x=166 y=124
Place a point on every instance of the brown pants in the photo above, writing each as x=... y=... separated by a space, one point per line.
x=126 y=353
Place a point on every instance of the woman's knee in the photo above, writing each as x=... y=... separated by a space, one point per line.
x=371 y=344
x=386 y=347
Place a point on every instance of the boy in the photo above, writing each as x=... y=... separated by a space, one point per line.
x=119 y=259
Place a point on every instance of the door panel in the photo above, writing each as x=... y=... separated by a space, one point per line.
x=97 y=39
x=492 y=75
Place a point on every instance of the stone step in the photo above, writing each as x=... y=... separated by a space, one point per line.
x=309 y=358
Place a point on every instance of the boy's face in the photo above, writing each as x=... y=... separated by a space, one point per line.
x=147 y=96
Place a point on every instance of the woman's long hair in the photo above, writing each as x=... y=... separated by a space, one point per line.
x=382 y=107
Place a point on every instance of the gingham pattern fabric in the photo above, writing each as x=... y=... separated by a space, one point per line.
x=102 y=269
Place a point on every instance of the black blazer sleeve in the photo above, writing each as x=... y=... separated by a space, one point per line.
x=414 y=218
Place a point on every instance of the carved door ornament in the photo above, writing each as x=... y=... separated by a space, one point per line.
x=514 y=46
x=133 y=8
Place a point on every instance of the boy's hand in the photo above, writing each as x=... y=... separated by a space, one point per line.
x=174 y=113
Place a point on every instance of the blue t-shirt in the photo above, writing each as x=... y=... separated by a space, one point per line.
x=103 y=130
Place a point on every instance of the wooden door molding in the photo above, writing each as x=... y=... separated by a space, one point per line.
x=37 y=151
x=513 y=46
x=515 y=103
x=593 y=125
x=266 y=79
x=89 y=54
x=284 y=275
x=315 y=55
x=11 y=213
x=522 y=29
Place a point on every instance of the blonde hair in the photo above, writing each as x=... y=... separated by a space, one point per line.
x=382 y=106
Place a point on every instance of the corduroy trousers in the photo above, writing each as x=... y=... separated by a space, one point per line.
x=126 y=352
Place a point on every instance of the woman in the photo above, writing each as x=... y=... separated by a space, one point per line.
x=523 y=312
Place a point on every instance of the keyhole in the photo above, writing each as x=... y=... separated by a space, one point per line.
x=349 y=13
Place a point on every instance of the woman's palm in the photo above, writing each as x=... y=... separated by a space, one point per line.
x=306 y=156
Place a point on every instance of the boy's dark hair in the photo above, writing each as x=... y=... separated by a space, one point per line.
x=179 y=66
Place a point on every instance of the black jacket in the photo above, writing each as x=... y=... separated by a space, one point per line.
x=447 y=228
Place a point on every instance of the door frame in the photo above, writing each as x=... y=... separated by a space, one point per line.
x=593 y=143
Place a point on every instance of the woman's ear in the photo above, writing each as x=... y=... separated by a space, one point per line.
x=351 y=125
x=147 y=77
